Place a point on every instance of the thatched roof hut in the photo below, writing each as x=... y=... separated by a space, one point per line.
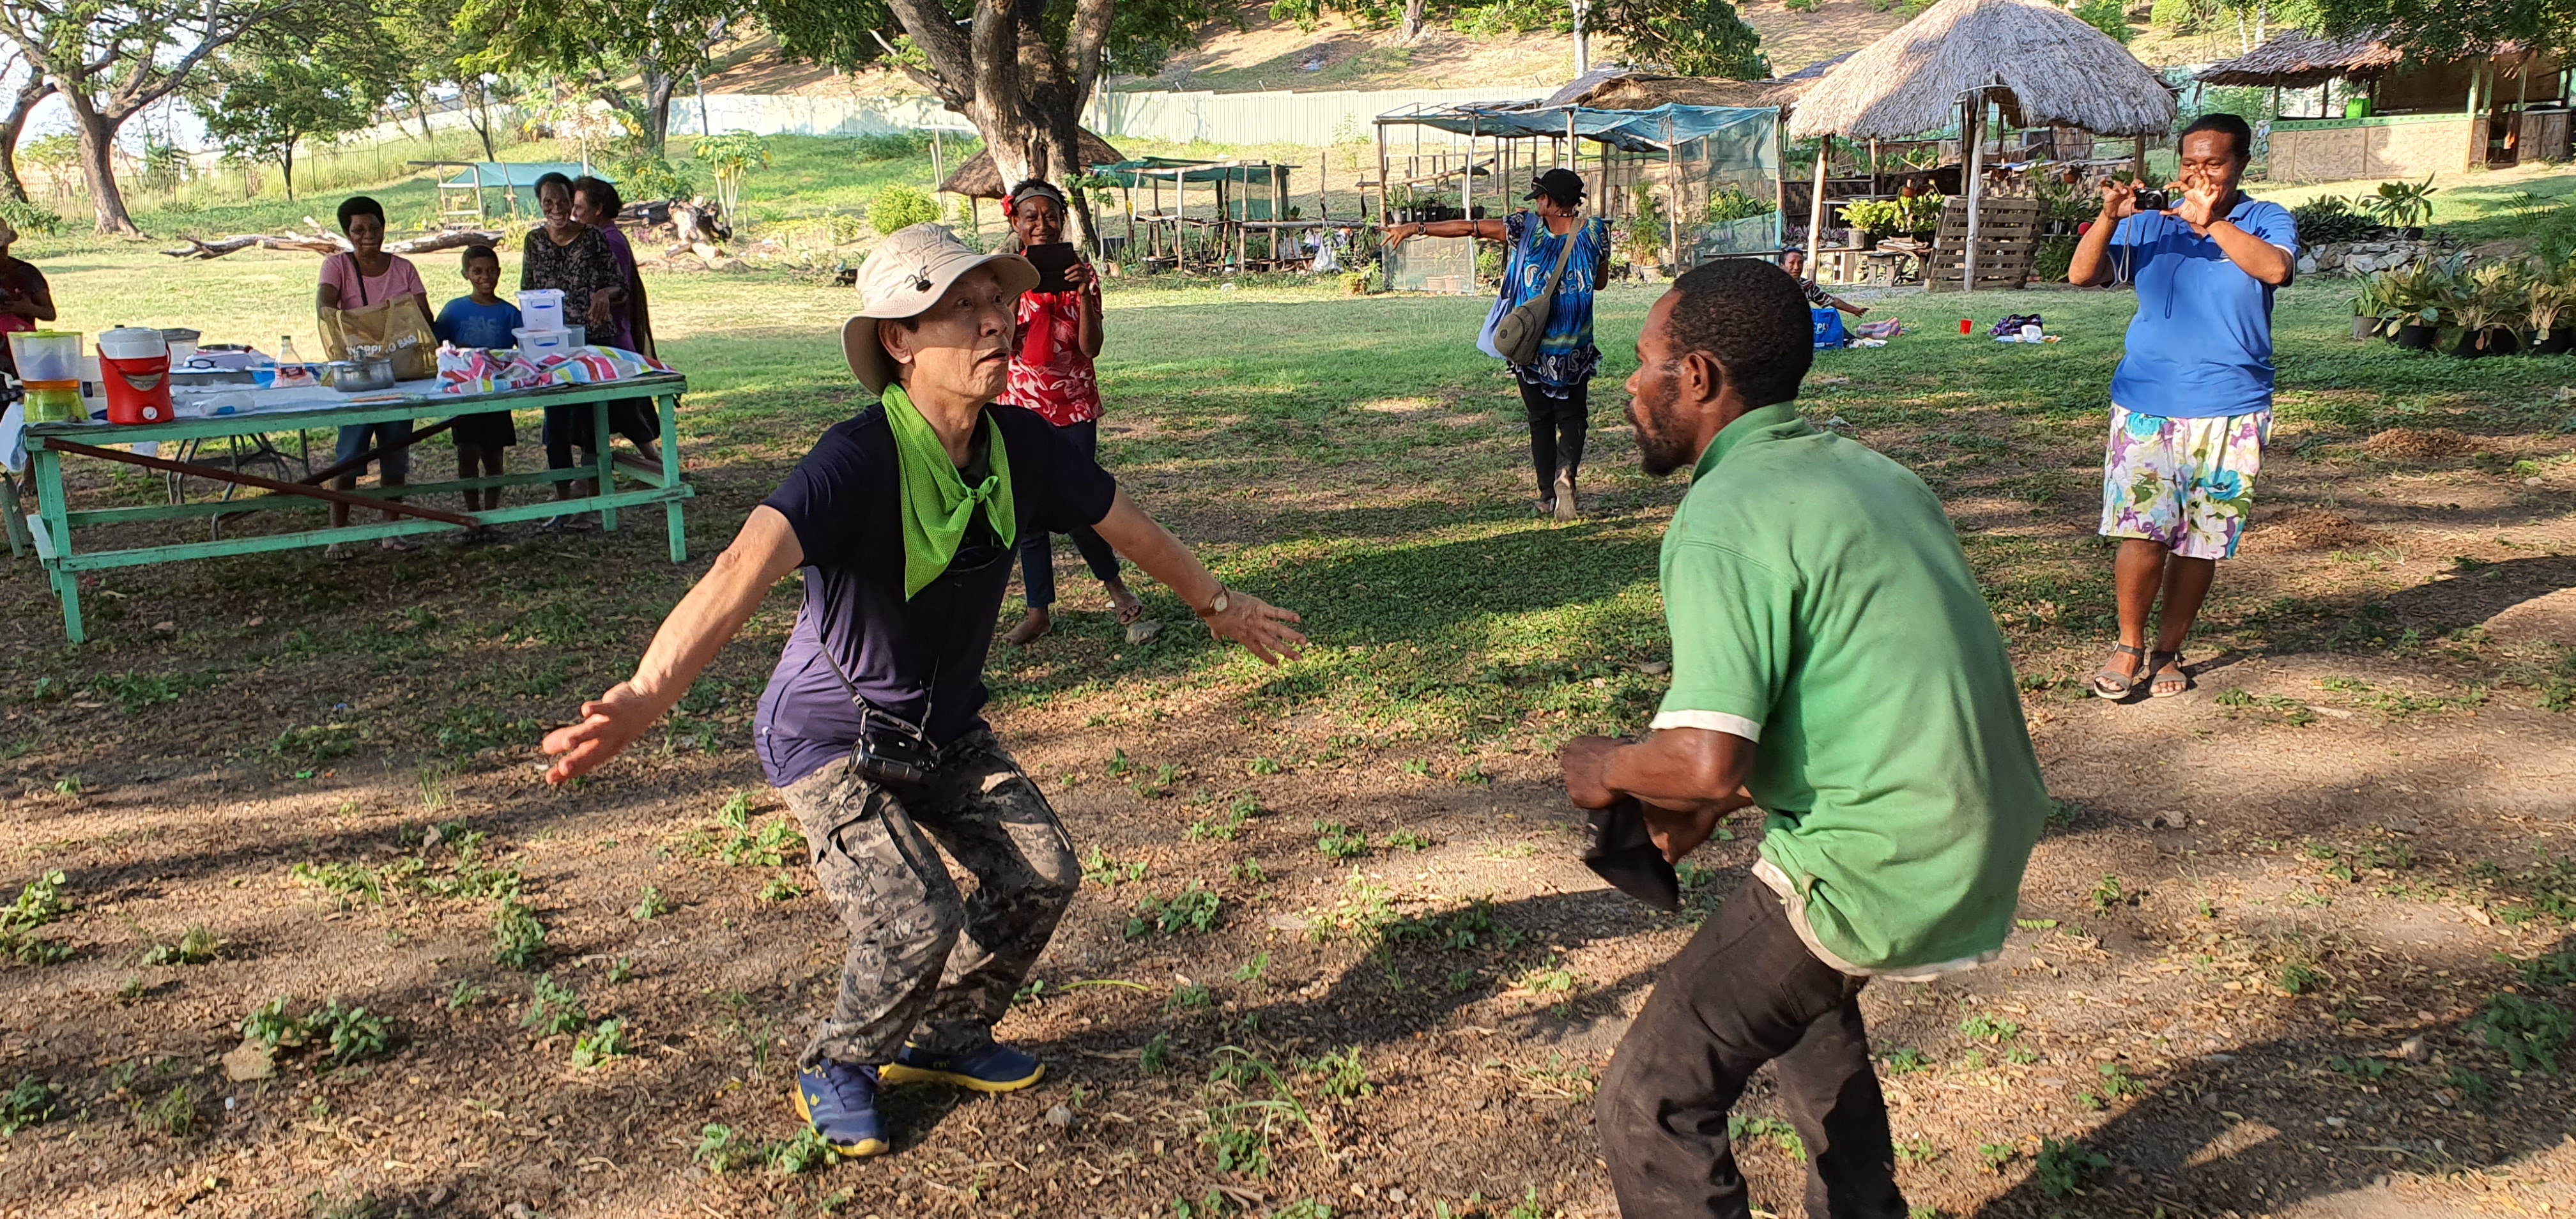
x=2296 y=59
x=1619 y=89
x=2043 y=65
x=979 y=180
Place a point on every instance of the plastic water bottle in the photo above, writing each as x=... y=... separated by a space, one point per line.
x=286 y=350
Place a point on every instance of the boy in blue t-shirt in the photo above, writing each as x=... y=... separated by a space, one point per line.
x=481 y=319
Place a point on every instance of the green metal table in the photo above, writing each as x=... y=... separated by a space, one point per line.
x=54 y=540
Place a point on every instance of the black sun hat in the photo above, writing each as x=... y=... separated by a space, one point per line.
x=1562 y=185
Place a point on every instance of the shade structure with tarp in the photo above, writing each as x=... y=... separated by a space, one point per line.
x=1243 y=196
x=1708 y=176
x=482 y=189
x=2037 y=63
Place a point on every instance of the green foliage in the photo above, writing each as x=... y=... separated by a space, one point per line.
x=1192 y=910
x=39 y=903
x=32 y=1103
x=196 y=946
x=519 y=939
x=1905 y=1060
x=2331 y=218
x=719 y=1152
x=2110 y=892
x=804 y=1153
x=2109 y=16
x=2528 y=1031
x=2117 y=1084
x=2402 y=204
x=1782 y=1134
x=2063 y=1165
x=593 y=1049
x=1989 y=1029
x=900 y=207
x=1894 y=217
x=1341 y=1074
x=173 y=1116
x=1405 y=840
x=263 y=110
x=1103 y=870
x=1339 y=842
x=352 y=1034
x=31 y=219
x=642 y=176
x=553 y=1009
x=731 y=157
x=1157 y=1055
x=651 y=905
x=780 y=889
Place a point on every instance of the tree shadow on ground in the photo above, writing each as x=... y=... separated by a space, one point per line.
x=2297 y=1118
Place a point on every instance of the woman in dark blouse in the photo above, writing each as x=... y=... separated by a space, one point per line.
x=572 y=258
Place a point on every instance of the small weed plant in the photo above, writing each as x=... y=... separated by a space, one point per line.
x=33 y=1102
x=2529 y=1032
x=1742 y=1128
x=519 y=940
x=553 y=1009
x=1193 y=910
x=2063 y=1165
x=1338 y=842
x=603 y=1042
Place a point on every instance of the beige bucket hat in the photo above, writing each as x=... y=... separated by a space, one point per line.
x=903 y=278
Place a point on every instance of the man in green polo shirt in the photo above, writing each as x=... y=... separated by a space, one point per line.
x=1834 y=663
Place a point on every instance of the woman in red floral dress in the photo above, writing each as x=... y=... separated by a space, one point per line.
x=1051 y=374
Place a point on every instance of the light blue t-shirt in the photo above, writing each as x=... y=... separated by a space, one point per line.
x=467 y=324
x=2201 y=345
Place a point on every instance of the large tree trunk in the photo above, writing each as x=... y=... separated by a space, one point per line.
x=286 y=167
x=658 y=85
x=98 y=163
x=1412 y=19
x=1064 y=163
x=12 y=124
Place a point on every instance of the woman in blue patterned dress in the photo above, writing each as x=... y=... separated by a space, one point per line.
x=1556 y=390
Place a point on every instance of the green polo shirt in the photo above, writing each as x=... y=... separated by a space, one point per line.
x=1821 y=607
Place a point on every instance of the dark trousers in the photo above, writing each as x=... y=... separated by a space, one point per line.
x=1556 y=431
x=1037 y=550
x=571 y=427
x=1744 y=992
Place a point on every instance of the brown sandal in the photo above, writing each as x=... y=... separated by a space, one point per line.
x=2113 y=684
x=2156 y=681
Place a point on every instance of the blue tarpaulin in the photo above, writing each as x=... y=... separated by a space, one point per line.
x=1628 y=130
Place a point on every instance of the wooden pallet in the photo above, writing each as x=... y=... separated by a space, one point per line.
x=2008 y=232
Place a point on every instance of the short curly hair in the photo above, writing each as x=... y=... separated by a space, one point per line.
x=1753 y=319
x=359 y=205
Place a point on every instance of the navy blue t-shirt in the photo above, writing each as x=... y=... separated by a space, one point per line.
x=921 y=659
x=467 y=324
x=2201 y=344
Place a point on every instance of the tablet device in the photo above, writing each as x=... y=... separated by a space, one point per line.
x=1052 y=260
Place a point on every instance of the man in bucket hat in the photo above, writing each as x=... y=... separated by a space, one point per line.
x=903 y=521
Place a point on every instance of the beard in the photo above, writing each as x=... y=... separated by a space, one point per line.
x=1660 y=448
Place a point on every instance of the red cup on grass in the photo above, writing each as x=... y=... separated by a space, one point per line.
x=1967 y=325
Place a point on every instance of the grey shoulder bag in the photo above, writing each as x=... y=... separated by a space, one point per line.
x=1517 y=335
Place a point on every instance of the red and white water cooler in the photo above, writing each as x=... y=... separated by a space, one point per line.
x=134 y=366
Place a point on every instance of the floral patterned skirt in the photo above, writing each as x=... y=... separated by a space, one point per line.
x=2187 y=483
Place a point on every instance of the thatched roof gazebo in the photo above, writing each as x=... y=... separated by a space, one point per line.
x=977 y=179
x=2036 y=60
x=2296 y=59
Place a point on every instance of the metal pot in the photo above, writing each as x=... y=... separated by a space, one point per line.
x=359 y=376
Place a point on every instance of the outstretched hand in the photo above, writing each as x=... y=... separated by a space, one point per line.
x=608 y=725
x=1262 y=628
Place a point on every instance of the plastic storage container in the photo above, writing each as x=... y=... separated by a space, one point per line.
x=542 y=308
x=49 y=362
x=535 y=342
x=134 y=368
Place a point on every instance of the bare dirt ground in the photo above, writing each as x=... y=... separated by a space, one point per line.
x=2257 y=972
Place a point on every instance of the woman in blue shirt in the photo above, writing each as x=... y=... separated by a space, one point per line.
x=1555 y=389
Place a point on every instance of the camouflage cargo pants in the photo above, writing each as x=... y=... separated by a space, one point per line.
x=925 y=962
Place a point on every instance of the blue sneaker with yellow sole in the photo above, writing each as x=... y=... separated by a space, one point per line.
x=990 y=1067
x=840 y=1102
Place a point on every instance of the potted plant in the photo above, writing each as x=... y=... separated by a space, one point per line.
x=2404 y=206
x=2484 y=303
x=2551 y=297
x=1874 y=218
x=2369 y=303
x=1920 y=216
x=2410 y=303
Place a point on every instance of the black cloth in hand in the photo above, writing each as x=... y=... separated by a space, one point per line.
x=1623 y=853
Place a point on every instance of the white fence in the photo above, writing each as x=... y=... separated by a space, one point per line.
x=1218 y=118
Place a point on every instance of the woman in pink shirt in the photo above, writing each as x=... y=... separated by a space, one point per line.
x=364 y=278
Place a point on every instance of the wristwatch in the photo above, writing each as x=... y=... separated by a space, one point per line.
x=1218 y=604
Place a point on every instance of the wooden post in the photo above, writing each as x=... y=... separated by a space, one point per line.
x=1873 y=167
x=1976 y=167
x=1672 y=188
x=1816 y=210
x=1385 y=217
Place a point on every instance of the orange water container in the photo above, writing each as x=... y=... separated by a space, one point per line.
x=134 y=366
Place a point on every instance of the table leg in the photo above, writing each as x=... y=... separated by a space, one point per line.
x=58 y=531
x=600 y=433
x=19 y=542
x=669 y=407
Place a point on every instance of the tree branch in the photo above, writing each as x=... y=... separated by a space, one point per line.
x=951 y=53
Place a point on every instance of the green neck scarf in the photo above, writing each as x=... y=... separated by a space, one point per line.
x=937 y=503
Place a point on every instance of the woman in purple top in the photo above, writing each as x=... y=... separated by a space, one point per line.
x=595 y=202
